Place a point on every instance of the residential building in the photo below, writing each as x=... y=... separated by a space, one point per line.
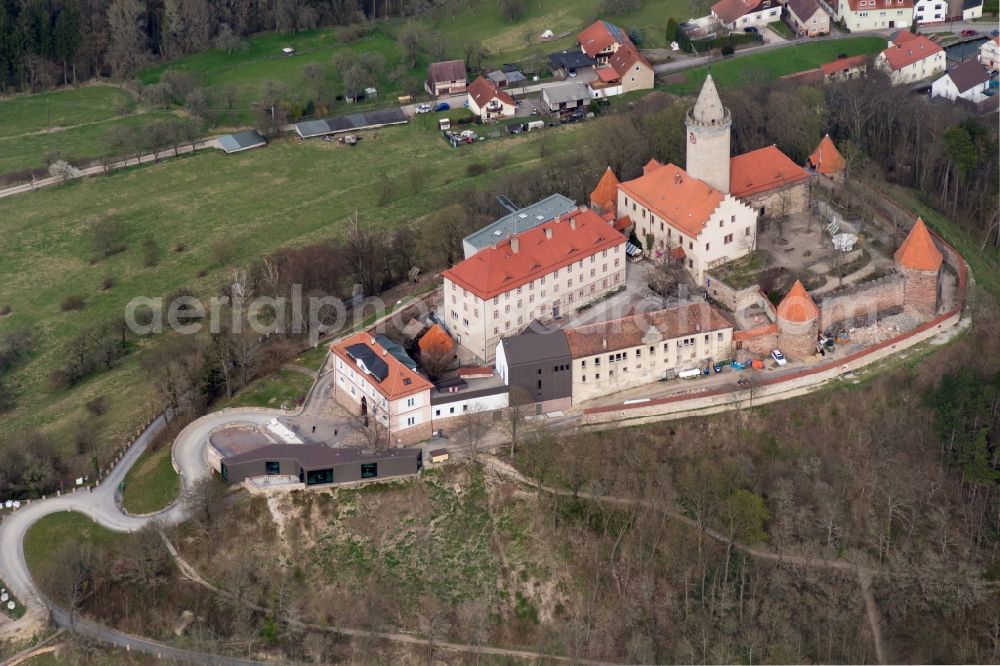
x=740 y=14
x=446 y=78
x=910 y=58
x=535 y=366
x=523 y=219
x=827 y=161
x=807 y=18
x=371 y=383
x=971 y=9
x=843 y=69
x=626 y=70
x=769 y=181
x=537 y=274
x=865 y=15
x=458 y=396
x=488 y=102
x=566 y=64
x=989 y=54
x=600 y=40
x=565 y=97
x=612 y=356
x=319 y=464
x=967 y=80
x=930 y=11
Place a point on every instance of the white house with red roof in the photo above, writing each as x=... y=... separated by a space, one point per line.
x=541 y=274
x=739 y=14
x=487 y=101
x=371 y=383
x=910 y=58
x=601 y=39
x=865 y=15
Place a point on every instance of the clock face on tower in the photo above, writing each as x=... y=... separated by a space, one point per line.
x=692 y=138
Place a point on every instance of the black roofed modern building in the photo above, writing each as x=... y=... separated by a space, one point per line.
x=319 y=464
x=538 y=363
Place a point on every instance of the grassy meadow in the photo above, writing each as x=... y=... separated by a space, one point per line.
x=252 y=202
x=152 y=484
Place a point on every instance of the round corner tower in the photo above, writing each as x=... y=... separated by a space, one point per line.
x=708 y=128
x=798 y=323
x=919 y=260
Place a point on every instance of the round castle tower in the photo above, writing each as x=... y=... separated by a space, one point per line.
x=708 y=126
x=798 y=323
x=919 y=260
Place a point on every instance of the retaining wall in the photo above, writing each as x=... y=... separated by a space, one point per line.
x=865 y=299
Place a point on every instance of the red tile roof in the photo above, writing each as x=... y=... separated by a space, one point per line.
x=826 y=159
x=598 y=36
x=400 y=380
x=623 y=223
x=494 y=270
x=627 y=332
x=436 y=341
x=605 y=194
x=762 y=170
x=669 y=192
x=483 y=90
x=650 y=166
x=608 y=74
x=625 y=57
x=730 y=10
x=842 y=64
x=908 y=49
x=918 y=251
x=797 y=306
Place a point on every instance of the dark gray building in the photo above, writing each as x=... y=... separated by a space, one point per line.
x=316 y=464
x=538 y=362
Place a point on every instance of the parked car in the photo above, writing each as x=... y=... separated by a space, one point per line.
x=423 y=108
x=778 y=357
x=970 y=33
x=994 y=33
x=442 y=106
x=752 y=30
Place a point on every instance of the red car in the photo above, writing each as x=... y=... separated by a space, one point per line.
x=969 y=33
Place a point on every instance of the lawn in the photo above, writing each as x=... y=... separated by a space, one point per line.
x=782 y=29
x=43 y=538
x=770 y=65
x=287 y=193
x=152 y=484
x=285 y=387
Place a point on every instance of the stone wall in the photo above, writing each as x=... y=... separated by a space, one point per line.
x=796 y=200
x=863 y=300
x=921 y=292
x=756 y=342
x=730 y=298
x=798 y=340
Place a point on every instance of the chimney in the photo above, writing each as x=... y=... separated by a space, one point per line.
x=548 y=233
x=604 y=344
x=514 y=245
x=572 y=223
x=678 y=178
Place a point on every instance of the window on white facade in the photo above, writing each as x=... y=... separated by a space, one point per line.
x=411 y=420
x=410 y=402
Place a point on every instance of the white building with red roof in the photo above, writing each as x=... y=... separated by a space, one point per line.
x=386 y=394
x=601 y=39
x=487 y=101
x=541 y=274
x=910 y=58
x=866 y=15
x=740 y=14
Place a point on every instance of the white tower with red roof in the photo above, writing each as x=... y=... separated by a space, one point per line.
x=708 y=127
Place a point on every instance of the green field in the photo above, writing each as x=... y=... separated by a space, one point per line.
x=287 y=193
x=782 y=29
x=152 y=484
x=770 y=65
x=42 y=539
x=281 y=388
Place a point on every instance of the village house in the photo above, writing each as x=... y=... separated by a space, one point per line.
x=740 y=14
x=843 y=69
x=627 y=70
x=930 y=11
x=865 y=15
x=488 y=102
x=989 y=54
x=612 y=356
x=807 y=18
x=910 y=58
x=374 y=385
x=446 y=78
x=600 y=40
x=827 y=161
x=970 y=9
x=967 y=80
x=536 y=274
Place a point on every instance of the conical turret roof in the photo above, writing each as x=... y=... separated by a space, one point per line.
x=708 y=109
x=797 y=306
x=826 y=159
x=918 y=251
x=605 y=194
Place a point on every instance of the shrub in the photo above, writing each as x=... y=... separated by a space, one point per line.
x=476 y=169
x=98 y=406
x=73 y=302
x=108 y=282
x=180 y=247
x=5 y=310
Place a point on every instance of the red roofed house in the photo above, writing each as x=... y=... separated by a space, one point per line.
x=436 y=341
x=600 y=40
x=446 y=78
x=798 y=323
x=919 y=260
x=910 y=58
x=540 y=274
x=626 y=70
x=615 y=355
x=843 y=69
x=768 y=180
x=827 y=161
x=372 y=383
x=864 y=15
x=739 y=14
x=488 y=102
x=604 y=198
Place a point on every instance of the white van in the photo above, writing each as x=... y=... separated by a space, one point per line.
x=690 y=373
